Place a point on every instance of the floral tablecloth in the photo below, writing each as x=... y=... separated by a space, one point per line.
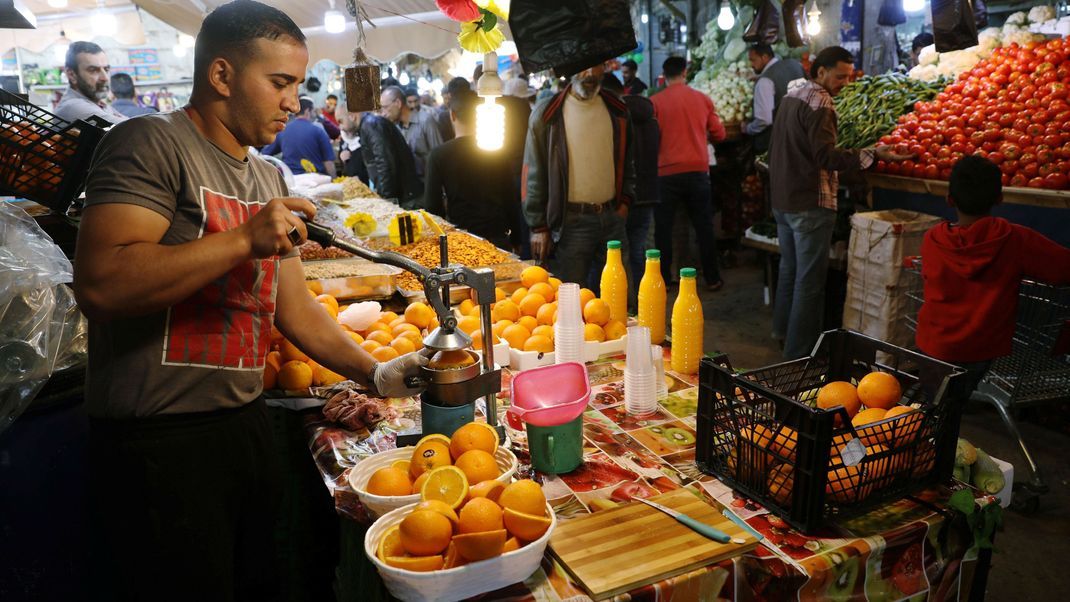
x=906 y=550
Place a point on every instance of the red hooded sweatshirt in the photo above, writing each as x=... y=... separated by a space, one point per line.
x=971 y=276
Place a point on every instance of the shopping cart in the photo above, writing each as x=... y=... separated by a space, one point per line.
x=1036 y=371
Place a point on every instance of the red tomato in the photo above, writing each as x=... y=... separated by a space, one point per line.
x=1055 y=181
x=1036 y=183
x=931 y=172
x=1019 y=181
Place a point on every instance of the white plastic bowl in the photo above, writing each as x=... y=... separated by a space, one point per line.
x=458 y=583
x=379 y=505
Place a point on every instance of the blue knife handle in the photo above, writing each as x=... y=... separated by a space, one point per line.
x=704 y=529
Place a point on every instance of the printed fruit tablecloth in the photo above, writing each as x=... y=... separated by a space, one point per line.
x=906 y=550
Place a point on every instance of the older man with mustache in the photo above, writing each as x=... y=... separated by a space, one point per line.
x=578 y=177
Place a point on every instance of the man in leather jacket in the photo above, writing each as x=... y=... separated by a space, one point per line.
x=391 y=165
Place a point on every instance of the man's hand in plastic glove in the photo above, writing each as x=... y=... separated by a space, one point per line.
x=388 y=378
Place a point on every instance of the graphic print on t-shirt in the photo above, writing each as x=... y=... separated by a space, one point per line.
x=226 y=324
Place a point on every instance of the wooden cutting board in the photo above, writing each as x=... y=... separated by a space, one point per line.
x=614 y=551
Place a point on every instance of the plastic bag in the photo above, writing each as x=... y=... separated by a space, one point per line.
x=892 y=13
x=794 y=12
x=41 y=328
x=953 y=25
x=570 y=35
x=765 y=29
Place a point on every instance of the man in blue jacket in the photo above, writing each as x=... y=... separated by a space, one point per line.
x=305 y=145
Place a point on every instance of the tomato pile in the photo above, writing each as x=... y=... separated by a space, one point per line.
x=1011 y=108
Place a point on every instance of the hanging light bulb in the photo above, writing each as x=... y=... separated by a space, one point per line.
x=179 y=50
x=186 y=41
x=813 y=20
x=334 y=21
x=103 y=22
x=57 y=3
x=490 y=116
x=644 y=18
x=725 y=18
x=913 y=6
x=403 y=78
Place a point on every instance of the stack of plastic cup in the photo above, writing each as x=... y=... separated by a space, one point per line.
x=660 y=387
x=640 y=392
x=568 y=330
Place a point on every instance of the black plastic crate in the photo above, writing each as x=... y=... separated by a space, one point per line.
x=43 y=158
x=757 y=431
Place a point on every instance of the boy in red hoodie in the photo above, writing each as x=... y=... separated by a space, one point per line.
x=972 y=270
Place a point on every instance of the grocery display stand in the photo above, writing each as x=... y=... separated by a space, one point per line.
x=1036 y=197
x=1036 y=371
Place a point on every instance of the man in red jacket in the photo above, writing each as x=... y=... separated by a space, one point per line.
x=972 y=269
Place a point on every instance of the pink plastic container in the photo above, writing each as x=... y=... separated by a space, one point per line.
x=550 y=395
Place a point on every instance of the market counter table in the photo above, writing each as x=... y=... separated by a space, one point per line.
x=905 y=548
x=1042 y=210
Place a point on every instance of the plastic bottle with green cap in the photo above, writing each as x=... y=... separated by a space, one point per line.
x=652 y=297
x=614 y=284
x=687 y=325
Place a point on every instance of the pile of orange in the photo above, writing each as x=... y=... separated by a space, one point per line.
x=470 y=453
x=525 y=319
x=871 y=406
x=455 y=523
x=390 y=336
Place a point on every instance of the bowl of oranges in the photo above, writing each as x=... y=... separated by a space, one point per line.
x=461 y=540
x=392 y=479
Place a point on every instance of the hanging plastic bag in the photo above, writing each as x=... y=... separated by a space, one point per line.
x=794 y=12
x=892 y=13
x=41 y=328
x=570 y=35
x=765 y=29
x=953 y=25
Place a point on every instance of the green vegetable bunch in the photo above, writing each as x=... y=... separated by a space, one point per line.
x=870 y=107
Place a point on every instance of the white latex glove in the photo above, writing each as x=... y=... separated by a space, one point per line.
x=388 y=378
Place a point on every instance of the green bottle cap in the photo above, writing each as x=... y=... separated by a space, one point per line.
x=653 y=254
x=613 y=244
x=688 y=272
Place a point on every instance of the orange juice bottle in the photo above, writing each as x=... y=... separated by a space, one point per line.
x=614 y=283
x=652 y=298
x=687 y=326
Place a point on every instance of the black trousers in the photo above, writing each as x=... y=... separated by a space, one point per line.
x=183 y=507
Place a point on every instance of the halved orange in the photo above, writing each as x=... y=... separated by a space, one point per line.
x=525 y=526
x=491 y=490
x=482 y=545
x=447 y=484
x=420 y=564
x=453 y=558
x=441 y=507
x=511 y=545
x=390 y=544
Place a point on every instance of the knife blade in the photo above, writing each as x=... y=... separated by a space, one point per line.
x=695 y=525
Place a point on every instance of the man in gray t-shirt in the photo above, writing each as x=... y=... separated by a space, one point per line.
x=186 y=259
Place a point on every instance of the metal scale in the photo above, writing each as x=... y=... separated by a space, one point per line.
x=448 y=402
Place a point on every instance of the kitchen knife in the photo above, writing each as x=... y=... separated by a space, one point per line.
x=696 y=526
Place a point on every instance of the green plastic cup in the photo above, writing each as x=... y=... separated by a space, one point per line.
x=556 y=449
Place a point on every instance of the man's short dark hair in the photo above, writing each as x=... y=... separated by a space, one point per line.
x=611 y=83
x=411 y=91
x=634 y=66
x=230 y=30
x=332 y=97
x=922 y=40
x=458 y=84
x=306 y=104
x=761 y=50
x=463 y=106
x=76 y=48
x=674 y=66
x=122 y=85
x=829 y=58
x=976 y=185
x=396 y=93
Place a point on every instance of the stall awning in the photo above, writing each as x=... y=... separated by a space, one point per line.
x=402 y=26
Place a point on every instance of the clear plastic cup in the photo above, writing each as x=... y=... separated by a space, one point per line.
x=640 y=388
x=661 y=388
x=568 y=330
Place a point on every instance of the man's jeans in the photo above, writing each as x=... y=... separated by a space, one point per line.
x=799 y=310
x=580 y=253
x=638 y=227
x=692 y=190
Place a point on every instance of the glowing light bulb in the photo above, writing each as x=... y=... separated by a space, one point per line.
x=813 y=20
x=403 y=79
x=103 y=23
x=913 y=6
x=725 y=18
x=490 y=124
x=644 y=18
x=179 y=50
x=334 y=21
x=57 y=3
